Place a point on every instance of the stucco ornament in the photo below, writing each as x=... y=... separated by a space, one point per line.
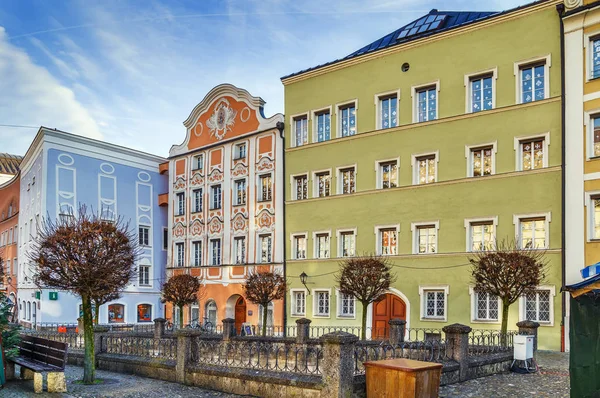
x=265 y=164
x=196 y=228
x=265 y=220
x=179 y=231
x=215 y=226
x=573 y=3
x=197 y=179
x=221 y=121
x=239 y=223
x=180 y=183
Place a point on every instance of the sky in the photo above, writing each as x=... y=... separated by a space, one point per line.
x=130 y=72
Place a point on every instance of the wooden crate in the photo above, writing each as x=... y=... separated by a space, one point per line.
x=403 y=378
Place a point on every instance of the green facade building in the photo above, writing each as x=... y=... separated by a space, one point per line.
x=424 y=146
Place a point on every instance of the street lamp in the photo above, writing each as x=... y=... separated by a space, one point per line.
x=303 y=277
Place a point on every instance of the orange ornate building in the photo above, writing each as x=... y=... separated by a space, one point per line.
x=225 y=206
x=9 y=224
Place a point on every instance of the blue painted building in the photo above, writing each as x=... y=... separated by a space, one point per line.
x=60 y=171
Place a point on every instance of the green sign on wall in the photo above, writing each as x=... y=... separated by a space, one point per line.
x=53 y=295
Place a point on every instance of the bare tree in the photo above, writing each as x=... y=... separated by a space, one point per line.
x=89 y=257
x=367 y=279
x=262 y=288
x=181 y=290
x=508 y=273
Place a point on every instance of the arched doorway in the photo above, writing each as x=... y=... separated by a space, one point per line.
x=389 y=307
x=240 y=313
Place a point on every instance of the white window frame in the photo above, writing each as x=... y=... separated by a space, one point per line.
x=236 y=150
x=259 y=186
x=234 y=248
x=315 y=303
x=589 y=49
x=338 y=306
x=378 y=230
x=414 y=227
x=377 y=98
x=547 y=60
x=210 y=248
x=517 y=222
x=177 y=256
x=519 y=150
x=294 y=247
x=469 y=156
x=294 y=313
x=179 y=195
x=211 y=197
x=589 y=195
x=339 y=234
x=340 y=179
x=315 y=178
x=523 y=312
x=474 y=318
x=195 y=162
x=589 y=124
x=165 y=243
x=415 y=105
x=415 y=168
x=259 y=248
x=493 y=72
x=379 y=164
x=235 y=192
x=148 y=236
x=313 y=122
x=195 y=209
x=338 y=118
x=470 y=221
x=423 y=304
x=193 y=253
x=293 y=118
x=316 y=246
x=293 y=191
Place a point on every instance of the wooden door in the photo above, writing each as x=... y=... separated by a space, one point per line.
x=240 y=314
x=389 y=307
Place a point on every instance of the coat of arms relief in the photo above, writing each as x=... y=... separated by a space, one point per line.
x=222 y=119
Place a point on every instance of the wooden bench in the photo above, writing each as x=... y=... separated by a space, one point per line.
x=37 y=355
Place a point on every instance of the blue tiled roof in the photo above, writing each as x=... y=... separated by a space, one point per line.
x=433 y=23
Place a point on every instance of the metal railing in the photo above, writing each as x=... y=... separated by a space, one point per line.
x=482 y=341
x=140 y=346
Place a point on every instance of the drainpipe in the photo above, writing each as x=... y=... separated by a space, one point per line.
x=280 y=127
x=560 y=8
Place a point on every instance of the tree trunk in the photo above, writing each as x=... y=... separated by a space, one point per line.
x=265 y=313
x=363 y=332
x=181 y=317
x=96 y=313
x=89 y=360
x=504 y=327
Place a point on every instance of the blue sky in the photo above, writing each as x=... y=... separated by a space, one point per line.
x=129 y=72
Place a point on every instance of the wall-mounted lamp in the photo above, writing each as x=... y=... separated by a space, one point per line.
x=303 y=277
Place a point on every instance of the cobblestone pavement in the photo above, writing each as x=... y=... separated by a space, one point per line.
x=552 y=380
x=117 y=385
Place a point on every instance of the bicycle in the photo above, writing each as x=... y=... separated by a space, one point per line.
x=207 y=326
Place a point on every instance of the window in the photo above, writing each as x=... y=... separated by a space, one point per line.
x=165 y=239
x=595 y=127
x=532 y=80
x=388 y=111
x=144 y=313
x=532 y=153
x=144 y=235
x=198 y=163
x=594 y=212
x=301 y=187
x=239 y=250
x=322 y=245
x=346 y=305
x=300 y=124
x=180 y=248
x=426 y=104
x=425 y=169
x=116 y=313
x=321 y=303
x=425 y=239
x=180 y=204
x=240 y=192
x=482 y=236
x=481 y=93
x=197 y=193
x=215 y=197
x=594 y=58
x=347 y=181
x=265 y=242
x=299 y=247
x=481 y=162
x=347 y=120
x=323 y=126
x=240 y=151
x=144 y=273
x=433 y=303
x=211 y=312
x=532 y=233
x=197 y=253
x=323 y=184
x=388 y=241
x=487 y=307
x=538 y=306
x=298 y=303
x=215 y=249
x=347 y=244
x=265 y=186
x=270 y=318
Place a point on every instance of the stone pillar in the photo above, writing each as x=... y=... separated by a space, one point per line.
x=338 y=364
x=302 y=330
x=397 y=329
x=228 y=328
x=457 y=346
x=80 y=326
x=99 y=333
x=530 y=328
x=159 y=328
x=184 y=353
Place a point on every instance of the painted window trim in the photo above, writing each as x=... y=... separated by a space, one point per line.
x=423 y=302
x=315 y=302
x=293 y=313
x=415 y=107
x=338 y=236
x=415 y=170
x=522 y=311
x=312 y=121
x=234 y=186
x=377 y=231
x=193 y=163
x=315 y=246
x=237 y=145
x=344 y=104
x=469 y=221
x=340 y=181
x=547 y=60
x=338 y=306
x=259 y=187
x=589 y=49
x=469 y=148
x=519 y=151
x=547 y=217
x=192 y=252
x=589 y=126
x=234 y=239
x=378 y=165
x=211 y=196
x=414 y=227
x=210 y=251
x=293 y=143
x=474 y=318
x=589 y=219
x=473 y=76
x=315 y=183
x=259 y=236
x=377 y=100
x=293 y=237
x=293 y=185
